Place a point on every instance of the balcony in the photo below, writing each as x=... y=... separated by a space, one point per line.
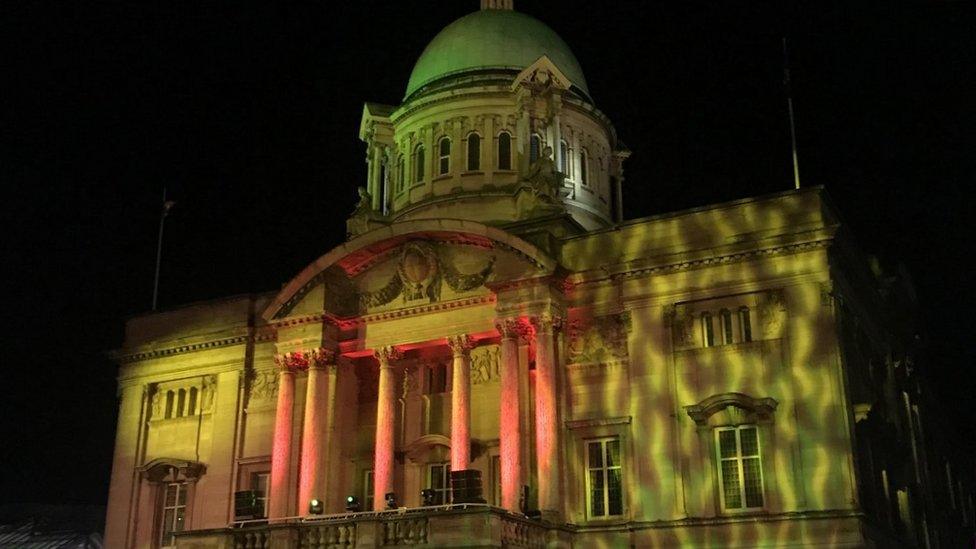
x=463 y=525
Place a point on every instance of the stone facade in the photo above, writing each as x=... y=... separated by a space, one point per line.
x=689 y=379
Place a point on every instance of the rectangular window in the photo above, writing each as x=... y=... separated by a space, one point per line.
x=173 y=516
x=739 y=467
x=708 y=331
x=727 y=337
x=604 y=482
x=745 y=324
x=259 y=483
x=368 y=490
x=439 y=480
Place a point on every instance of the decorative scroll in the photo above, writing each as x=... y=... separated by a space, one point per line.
x=421 y=270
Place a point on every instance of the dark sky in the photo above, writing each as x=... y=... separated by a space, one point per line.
x=249 y=113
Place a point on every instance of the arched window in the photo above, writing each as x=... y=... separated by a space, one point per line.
x=181 y=403
x=535 y=147
x=474 y=152
x=584 y=168
x=708 y=331
x=564 y=157
x=444 y=148
x=504 y=151
x=401 y=176
x=727 y=337
x=170 y=401
x=192 y=406
x=418 y=163
x=745 y=324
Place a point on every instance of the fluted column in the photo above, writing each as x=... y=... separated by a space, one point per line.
x=546 y=414
x=461 y=402
x=385 y=416
x=281 y=447
x=510 y=427
x=313 y=468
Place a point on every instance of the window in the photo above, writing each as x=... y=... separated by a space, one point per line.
x=604 y=486
x=726 y=317
x=192 y=403
x=181 y=403
x=169 y=404
x=439 y=480
x=401 y=181
x=419 y=163
x=444 y=148
x=739 y=467
x=504 y=151
x=745 y=324
x=259 y=483
x=174 y=513
x=474 y=152
x=564 y=157
x=436 y=379
x=535 y=147
x=368 y=490
x=708 y=333
x=584 y=168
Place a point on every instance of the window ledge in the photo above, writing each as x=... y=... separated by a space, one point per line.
x=443 y=176
x=473 y=172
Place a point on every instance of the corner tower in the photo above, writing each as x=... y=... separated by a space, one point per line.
x=497 y=126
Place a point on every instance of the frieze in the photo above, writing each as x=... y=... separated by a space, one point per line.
x=263 y=385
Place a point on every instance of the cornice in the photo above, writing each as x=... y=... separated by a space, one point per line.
x=422 y=309
x=600 y=422
x=122 y=357
x=623 y=273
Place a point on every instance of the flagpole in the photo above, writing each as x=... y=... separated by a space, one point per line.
x=789 y=105
x=159 y=249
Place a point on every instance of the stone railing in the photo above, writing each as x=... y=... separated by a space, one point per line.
x=442 y=526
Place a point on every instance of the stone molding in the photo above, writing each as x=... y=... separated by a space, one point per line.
x=599 y=422
x=763 y=408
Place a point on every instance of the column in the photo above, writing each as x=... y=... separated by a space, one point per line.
x=546 y=428
x=510 y=428
x=385 y=416
x=313 y=468
x=461 y=402
x=281 y=447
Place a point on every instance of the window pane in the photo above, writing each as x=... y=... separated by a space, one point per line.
x=750 y=443
x=445 y=147
x=563 y=157
x=753 y=482
x=437 y=477
x=168 y=523
x=181 y=403
x=181 y=499
x=730 y=484
x=584 y=172
x=535 y=144
x=613 y=453
x=596 y=455
x=419 y=161
x=727 y=326
x=504 y=151
x=615 y=492
x=170 y=495
x=596 y=493
x=746 y=324
x=180 y=513
x=726 y=443
x=474 y=152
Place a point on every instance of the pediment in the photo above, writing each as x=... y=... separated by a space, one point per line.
x=543 y=73
x=407 y=265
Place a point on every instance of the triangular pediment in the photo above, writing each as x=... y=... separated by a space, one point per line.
x=542 y=73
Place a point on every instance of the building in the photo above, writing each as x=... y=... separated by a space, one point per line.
x=732 y=375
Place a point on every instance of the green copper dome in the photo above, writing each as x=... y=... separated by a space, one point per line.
x=493 y=39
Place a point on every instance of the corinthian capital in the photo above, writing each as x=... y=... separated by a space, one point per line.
x=291 y=362
x=460 y=345
x=547 y=323
x=321 y=358
x=386 y=355
x=512 y=328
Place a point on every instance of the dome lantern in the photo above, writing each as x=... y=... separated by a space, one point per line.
x=497 y=4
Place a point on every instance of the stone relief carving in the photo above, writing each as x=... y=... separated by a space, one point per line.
x=421 y=270
x=683 y=327
x=264 y=385
x=411 y=380
x=208 y=393
x=601 y=340
x=484 y=364
x=157 y=403
x=772 y=314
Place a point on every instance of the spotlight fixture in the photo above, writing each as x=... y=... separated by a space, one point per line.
x=352 y=504
x=391 y=502
x=315 y=507
x=427 y=495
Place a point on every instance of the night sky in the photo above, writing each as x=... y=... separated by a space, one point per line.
x=249 y=114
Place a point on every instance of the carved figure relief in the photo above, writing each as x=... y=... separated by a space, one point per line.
x=772 y=314
x=157 y=403
x=421 y=269
x=601 y=340
x=484 y=364
x=683 y=328
x=264 y=386
x=207 y=397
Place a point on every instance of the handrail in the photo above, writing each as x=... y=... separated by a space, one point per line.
x=388 y=513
